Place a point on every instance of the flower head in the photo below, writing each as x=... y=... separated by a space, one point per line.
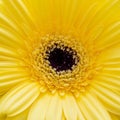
x=59 y=60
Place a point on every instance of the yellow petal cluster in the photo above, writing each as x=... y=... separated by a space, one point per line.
x=31 y=88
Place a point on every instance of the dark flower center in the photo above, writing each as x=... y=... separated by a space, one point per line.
x=62 y=58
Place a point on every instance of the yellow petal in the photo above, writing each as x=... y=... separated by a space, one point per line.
x=109 y=98
x=39 y=109
x=110 y=53
x=108 y=80
x=19 y=98
x=114 y=117
x=111 y=35
x=9 y=36
x=10 y=78
x=20 y=12
x=71 y=109
x=92 y=108
x=22 y=116
x=6 y=51
x=54 y=111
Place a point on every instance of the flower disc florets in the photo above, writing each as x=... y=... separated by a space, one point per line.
x=61 y=63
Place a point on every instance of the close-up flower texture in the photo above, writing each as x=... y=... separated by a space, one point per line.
x=59 y=59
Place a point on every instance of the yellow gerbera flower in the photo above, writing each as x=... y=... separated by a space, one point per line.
x=59 y=60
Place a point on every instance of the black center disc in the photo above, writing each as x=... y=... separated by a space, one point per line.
x=62 y=59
